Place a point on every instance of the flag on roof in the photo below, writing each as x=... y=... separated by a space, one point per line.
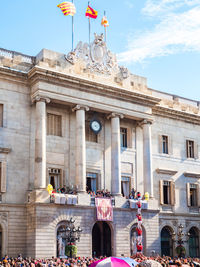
x=90 y=12
x=67 y=8
x=104 y=22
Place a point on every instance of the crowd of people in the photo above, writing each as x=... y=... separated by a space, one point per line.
x=100 y=193
x=86 y=261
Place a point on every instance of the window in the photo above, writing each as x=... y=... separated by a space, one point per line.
x=90 y=135
x=54 y=125
x=167 y=192
x=125 y=186
x=3 y=176
x=91 y=182
x=123 y=137
x=55 y=178
x=165 y=144
x=190 y=148
x=1 y=115
x=192 y=195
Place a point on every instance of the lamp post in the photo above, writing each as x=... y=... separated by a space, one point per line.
x=179 y=240
x=71 y=233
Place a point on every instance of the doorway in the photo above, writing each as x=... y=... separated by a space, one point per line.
x=101 y=240
x=166 y=242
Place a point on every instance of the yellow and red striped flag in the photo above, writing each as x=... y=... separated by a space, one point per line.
x=67 y=8
x=90 y=12
x=104 y=22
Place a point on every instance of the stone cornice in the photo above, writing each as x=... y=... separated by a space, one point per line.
x=166 y=171
x=37 y=74
x=192 y=174
x=176 y=114
x=13 y=75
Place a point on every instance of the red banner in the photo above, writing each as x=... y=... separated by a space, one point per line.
x=104 y=209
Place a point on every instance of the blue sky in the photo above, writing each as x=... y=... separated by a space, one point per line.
x=157 y=39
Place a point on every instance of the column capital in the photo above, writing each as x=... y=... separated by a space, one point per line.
x=39 y=98
x=115 y=115
x=144 y=122
x=80 y=107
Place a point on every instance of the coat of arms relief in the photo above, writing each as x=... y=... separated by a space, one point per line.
x=97 y=58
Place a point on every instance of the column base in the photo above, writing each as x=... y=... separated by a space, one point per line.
x=84 y=199
x=120 y=201
x=39 y=196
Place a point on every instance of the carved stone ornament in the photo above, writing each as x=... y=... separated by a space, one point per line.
x=3 y=217
x=96 y=56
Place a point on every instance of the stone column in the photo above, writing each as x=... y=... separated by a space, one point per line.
x=139 y=159
x=115 y=154
x=40 y=142
x=80 y=148
x=147 y=159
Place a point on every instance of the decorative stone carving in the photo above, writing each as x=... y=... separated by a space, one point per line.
x=3 y=217
x=96 y=57
x=123 y=74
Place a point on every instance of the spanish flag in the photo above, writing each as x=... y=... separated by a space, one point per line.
x=67 y=8
x=90 y=12
x=104 y=22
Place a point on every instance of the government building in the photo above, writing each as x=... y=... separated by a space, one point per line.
x=82 y=122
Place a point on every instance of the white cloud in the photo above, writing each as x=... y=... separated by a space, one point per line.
x=177 y=31
x=129 y=4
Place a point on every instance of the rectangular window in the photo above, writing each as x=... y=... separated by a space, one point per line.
x=123 y=137
x=167 y=192
x=91 y=182
x=90 y=135
x=54 y=125
x=1 y=115
x=55 y=178
x=165 y=149
x=190 y=148
x=193 y=195
x=125 y=186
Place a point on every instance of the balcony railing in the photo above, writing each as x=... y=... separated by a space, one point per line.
x=4 y=53
x=64 y=199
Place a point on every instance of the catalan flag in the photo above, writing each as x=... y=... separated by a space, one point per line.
x=90 y=12
x=104 y=22
x=67 y=8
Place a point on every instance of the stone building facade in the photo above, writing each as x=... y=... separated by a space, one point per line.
x=148 y=140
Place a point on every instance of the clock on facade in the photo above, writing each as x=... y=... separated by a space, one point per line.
x=95 y=126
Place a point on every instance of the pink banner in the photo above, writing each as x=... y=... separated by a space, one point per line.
x=104 y=209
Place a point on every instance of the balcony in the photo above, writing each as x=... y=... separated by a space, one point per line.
x=64 y=199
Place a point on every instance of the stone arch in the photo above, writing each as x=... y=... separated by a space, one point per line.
x=167 y=246
x=102 y=225
x=194 y=242
x=4 y=231
x=133 y=236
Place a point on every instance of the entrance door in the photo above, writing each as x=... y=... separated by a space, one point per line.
x=101 y=240
x=166 y=242
x=193 y=243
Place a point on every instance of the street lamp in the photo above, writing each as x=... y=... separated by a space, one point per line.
x=71 y=233
x=179 y=240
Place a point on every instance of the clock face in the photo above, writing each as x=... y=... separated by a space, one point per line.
x=95 y=125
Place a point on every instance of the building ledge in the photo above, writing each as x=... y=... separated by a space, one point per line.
x=166 y=171
x=5 y=150
x=192 y=174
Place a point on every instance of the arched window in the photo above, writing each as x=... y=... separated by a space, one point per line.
x=194 y=242
x=166 y=242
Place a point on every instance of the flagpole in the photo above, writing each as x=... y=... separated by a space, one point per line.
x=105 y=27
x=72 y=30
x=89 y=24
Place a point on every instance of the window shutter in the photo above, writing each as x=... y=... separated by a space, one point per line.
x=187 y=149
x=196 y=150
x=198 y=195
x=172 y=193
x=61 y=178
x=129 y=141
x=188 y=194
x=1 y=115
x=3 y=176
x=170 y=145
x=160 y=143
x=161 y=192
